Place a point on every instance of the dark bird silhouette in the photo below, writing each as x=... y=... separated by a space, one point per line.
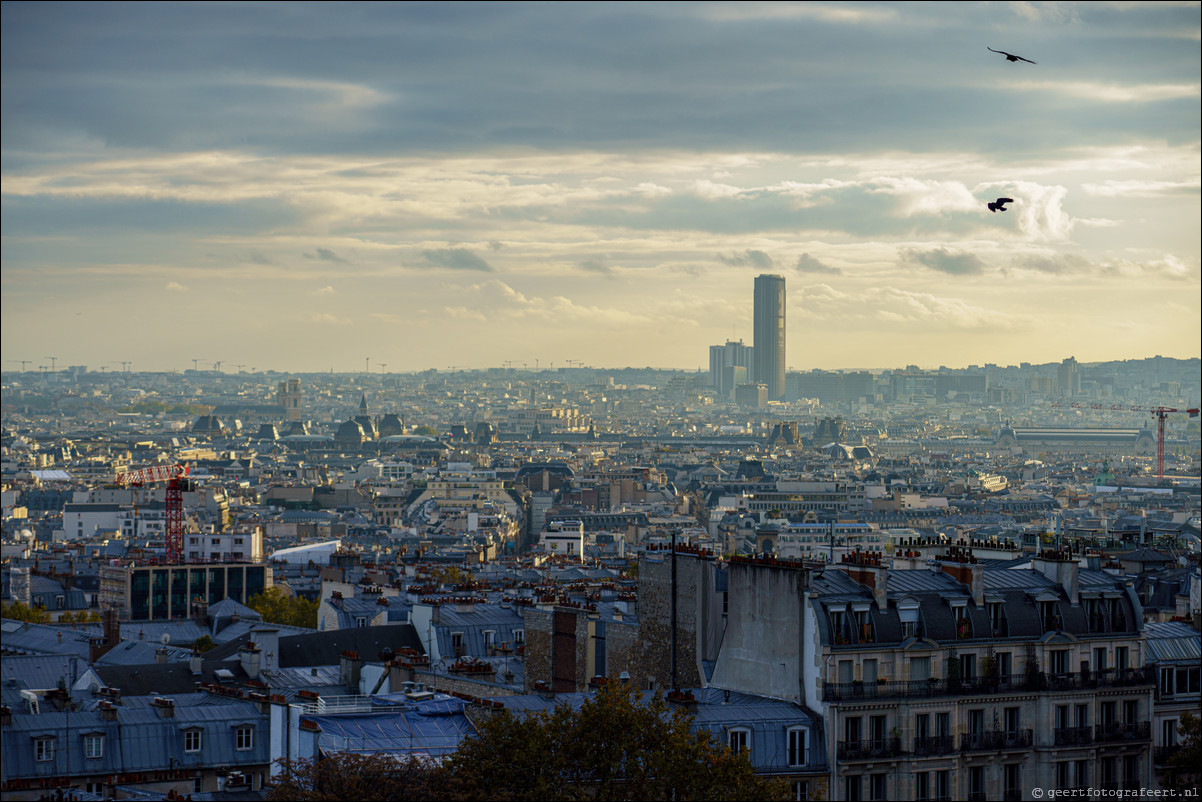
x=1009 y=56
x=997 y=205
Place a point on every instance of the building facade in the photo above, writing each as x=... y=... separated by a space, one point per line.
x=768 y=328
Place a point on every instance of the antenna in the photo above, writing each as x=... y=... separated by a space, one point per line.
x=165 y=638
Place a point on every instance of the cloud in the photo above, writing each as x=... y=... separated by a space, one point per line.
x=1142 y=189
x=809 y=264
x=1056 y=263
x=456 y=259
x=752 y=258
x=260 y=258
x=327 y=319
x=175 y=286
x=326 y=290
x=595 y=266
x=958 y=263
x=326 y=255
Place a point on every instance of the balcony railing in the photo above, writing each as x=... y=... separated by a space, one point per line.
x=874 y=748
x=1162 y=754
x=995 y=740
x=1073 y=736
x=933 y=745
x=1135 y=731
x=923 y=688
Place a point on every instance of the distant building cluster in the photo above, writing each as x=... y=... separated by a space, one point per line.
x=905 y=584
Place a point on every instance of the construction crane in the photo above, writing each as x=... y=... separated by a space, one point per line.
x=175 y=477
x=1159 y=412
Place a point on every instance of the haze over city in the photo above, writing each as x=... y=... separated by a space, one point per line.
x=403 y=187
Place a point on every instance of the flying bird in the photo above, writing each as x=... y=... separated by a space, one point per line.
x=998 y=205
x=1010 y=57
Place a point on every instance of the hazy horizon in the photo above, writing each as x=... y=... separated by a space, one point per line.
x=469 y=185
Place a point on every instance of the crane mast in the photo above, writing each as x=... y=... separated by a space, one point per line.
x=174 y=476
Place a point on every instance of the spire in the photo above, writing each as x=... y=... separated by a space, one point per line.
x=363 y=405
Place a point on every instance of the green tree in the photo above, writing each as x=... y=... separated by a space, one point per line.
x=428 y=431
x=203 y=644
x=351 y=775
x=619 y=745
x=277 y=607
x=1185 y=765
x=18 y=611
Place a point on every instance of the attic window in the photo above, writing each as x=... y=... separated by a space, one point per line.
x=43 y=748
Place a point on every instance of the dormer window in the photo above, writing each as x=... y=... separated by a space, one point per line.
x=839 y=626
x=1049 y=616
x=997 y=618
x=907 y=612
x=864 y=630
x=963 y=625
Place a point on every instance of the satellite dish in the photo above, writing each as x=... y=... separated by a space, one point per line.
x=165 y=638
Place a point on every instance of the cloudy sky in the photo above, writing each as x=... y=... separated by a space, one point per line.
x=314 y=187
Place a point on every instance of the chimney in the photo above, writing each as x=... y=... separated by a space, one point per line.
x=1060 y=566
x=99 y=647
x=160 y=656
x=544 y=690
x=867 y=569
x=166 y=707
x=195 y=662
x=268 y=640
x=350 y=664
x=251 y=659
x=960 y=564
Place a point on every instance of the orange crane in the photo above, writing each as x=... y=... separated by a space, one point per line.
x=175 y=477
x=1160 y=412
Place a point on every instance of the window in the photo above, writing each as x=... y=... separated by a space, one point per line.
x=1012 y=717
x=922 y=725
x=976 y=721
x=192 y=740
x=920 y=668
x=879 y=786
x=968 y=666
x=838 y=626
x=1130 y=711
x=490 y=638
x=797 y=746
x=1058 y=661
x=1004 y=666
x=997 y=618
x=801 y=791
x=43 y=749
x=1099 y=658
x=457 y=643
x=942 y=784
x=244 y=738
x=870 y=673
x=519 y=637
x=1061 y=717
x=1120 y=658
x=1082 y=715
x=943 y=727
x=922 y=786
x=1168 y=732
x=1131 y=770
x=976 y=780
x=851 y=728
x=738 y=741
x=93 y=746
x=1013 y=774
x=851 y=788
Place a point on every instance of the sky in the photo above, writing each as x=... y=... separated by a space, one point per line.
x=312 y=187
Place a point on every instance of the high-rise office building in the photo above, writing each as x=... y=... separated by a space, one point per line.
x=768 y=330
x=725 y=362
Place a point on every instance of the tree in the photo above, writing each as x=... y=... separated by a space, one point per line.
x=278 y=607
x=203 y=643
x=1183 y=771
x=427 y=431
x=19 y=611
x=619 y=745
x=352 y=775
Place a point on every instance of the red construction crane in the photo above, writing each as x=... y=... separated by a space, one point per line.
x=1160 y=412
x=173 y=475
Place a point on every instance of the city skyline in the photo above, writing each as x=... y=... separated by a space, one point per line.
x=468 y=186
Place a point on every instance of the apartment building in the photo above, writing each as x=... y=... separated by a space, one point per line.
x=955 y=681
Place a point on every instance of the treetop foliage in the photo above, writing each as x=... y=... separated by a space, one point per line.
x=277 y=607
x=619 y=745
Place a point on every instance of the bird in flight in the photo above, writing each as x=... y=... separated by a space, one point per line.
x=999 y=205
x=1009 y=56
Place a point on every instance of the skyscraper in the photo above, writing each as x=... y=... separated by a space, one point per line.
x=768 y=331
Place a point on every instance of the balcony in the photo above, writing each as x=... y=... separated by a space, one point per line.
x=925 y=688
x=1163 y=754
x=936 y=745
x=1135 y=731
x=867 y=750
x=1073 y=736
x=996 y=740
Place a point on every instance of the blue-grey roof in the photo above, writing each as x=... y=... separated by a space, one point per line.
x=140 y=739
x=434 y=729
x=1173 y=642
